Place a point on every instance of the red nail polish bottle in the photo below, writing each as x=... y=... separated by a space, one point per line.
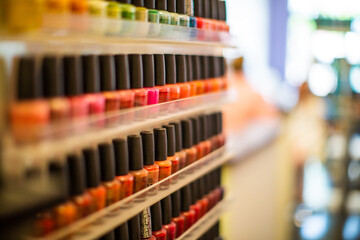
x=122 y=167
x=29 y=115
x=203 y=200
x=168 y=224
x=177 y=218
x=107 y=166
x=175 y=160
x=156 y=222
x=203 y=123
x=127 y=97
x=208 y=191
x=196 y=76
x=94 y=186
x=189 y=73
x=196 y=138
x=82 y=199
x=164 y=91
x=180 y=152
x=122 y=232
x=188 y=213
x=222 y=16
x=187 y=134
x=136 y=80
x=145 y=225
x=195 y=205
x=136 y=162
x=212 y=189
x=44 y=224
x=170 y=74
x=161 y=154
x=149 y=79
x=149 y=157
x=205 y=73
x=181 y=76
x=212 y=119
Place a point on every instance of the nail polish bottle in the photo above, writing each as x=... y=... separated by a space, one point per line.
x=149 y=79
x=156 y=222
x=109 y=236
x=198 y=14
x=210 y=186
x=223 y=76
x=170 y=75
x=44 y=224
x=74 y=88
x=204 y=69
x=107 y=166
x=145 y=225
x=187 y=134
x=196 y=77
x=56 y=14
x=168 y=224
x=161 y=6
x=214 y=131
x=214 y=23
x=181 y=10
x=206 y=14
x=177 y=218
x=79 y=15
x=122 y=232
x=128 y=10
x=122 y=167
x=141 y=13
x=164 y=91
x=181 y=76
x=221 y=136
x=218 y=183
x=215 y=79
x=196 y=138
x=91 y=79
x=222 y=13
x=188 y=213
x=179 y=151
x=189 y=72
x=30 y=114
x=127 y=97
x=203 y=200
x=153 y=14
x=189 y=7
x=148 y=145
x=134 y=227
x=136 y=80
x=93 y=184
x=136 y=162
x=175 y=160
x=195 y=205
x=161 y=154
x=79 y=196
x=171 y=7
x=53 y=89
x=203 y=123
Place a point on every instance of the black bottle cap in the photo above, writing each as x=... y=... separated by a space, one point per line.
x=160 y=144
x=28 y=79
x=178 y=136
x=148 y=70
x=72 y=75
x=52 y=77
x=194 y=192
x=198 y=10
x=135 y=152
x=92 y=165
x=214 y=67
x=156 y=218
x=215 y=123
x=175 y=200
x=206 y=184
x=195 y=130
x=148 y=145
x=189 y=68
x=209 y=182
x=180 y=6
x=185 y=198
x=136 y=71
x=121 y=156
x=161 y=5
x=170 y=72
x=109 y=236
x=200 y=184
x=212 y=178
x=107 y=162
x=218 y=176
x=196 y=72
x=204 y=66
x=122 y=72
x=166 y=210
x=124 y=1
x=203 y=124
x=76 y=174
x=171 y=5
x=211 y=125
x=222 y=65
x=134 y=228
x=91 y=74
x=186 y=127
x=214 y=10
x=206 y=8
x=222 y=10
x=122 y=232
x=219 y=122
x=107 y=72
x=180 y=69
x=170 y=134
x=159 y=69
x=138 y=3
x=150 y=4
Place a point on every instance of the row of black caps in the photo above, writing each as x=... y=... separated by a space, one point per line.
x=170 y=207
x=73 y=75
x=115 y=159
x=212 y=9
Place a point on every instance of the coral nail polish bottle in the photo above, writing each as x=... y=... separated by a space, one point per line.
x=29 y=115
x=179 y=151
x=175 y=160
x=148 y=145
x=216 y=81
x=221 y=136
x=203 y=123
x=191 y=152
x=134 y=227
x=93 y=184
x=212 y=119
x=53 y=89
x=181 y=76
x=200 y=85
x=205 y=73
x=127 y=97
x=122 y=167
x=149 y=79
x=168 y=224
x=164 y=91
x=161 y=154
x=122 y=232
x=195 y=205
x=222 y=64
x=156 y=222
x=145 y=225
x=82 y=199
x=136 y=80
x=170 y=75
x=196 y=138
x=107 y=165
x=165 y=17
x=189 y=72
x=136 y=162
x=188 y=213
x=177 y=218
